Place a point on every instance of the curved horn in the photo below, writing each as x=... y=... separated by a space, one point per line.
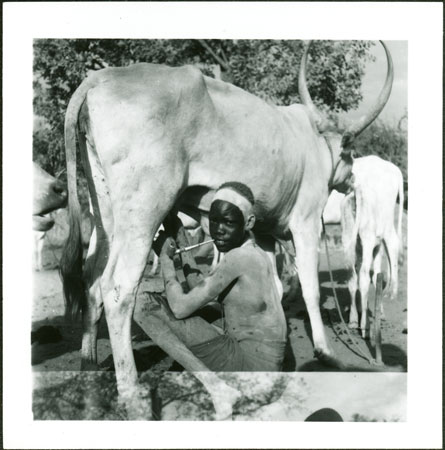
x=315 y=115
x=356 y=128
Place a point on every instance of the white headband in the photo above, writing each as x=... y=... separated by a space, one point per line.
x=229 y=195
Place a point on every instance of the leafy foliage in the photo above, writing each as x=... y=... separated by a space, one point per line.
x=266 y=68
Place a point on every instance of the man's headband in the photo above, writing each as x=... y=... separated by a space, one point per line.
x=229 y=195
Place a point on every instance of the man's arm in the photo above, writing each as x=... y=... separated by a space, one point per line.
x=191 y=271
x=175 y=229
x=183 y=304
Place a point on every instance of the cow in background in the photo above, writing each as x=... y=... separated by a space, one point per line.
x=368 y=213
x=49 y=194
x=332 y=210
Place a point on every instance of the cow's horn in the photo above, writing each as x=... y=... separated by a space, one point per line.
x=357 y=127
x=305 y=97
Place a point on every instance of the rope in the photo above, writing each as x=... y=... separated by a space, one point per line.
x=360 y=352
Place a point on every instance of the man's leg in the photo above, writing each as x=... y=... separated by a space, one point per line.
x=170 y=334
x=191 y=331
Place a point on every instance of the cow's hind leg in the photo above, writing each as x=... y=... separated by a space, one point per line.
x=119 y=285
x=93 y=308
x=392 y=244
x=306 y=237
x=351 y=254
x=377 y=268
x=137 y=214
x=352 y=287
x=91 y=314
x=101 y=218
x=365 y=281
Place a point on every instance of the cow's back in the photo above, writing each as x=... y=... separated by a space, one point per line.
x=209 y=130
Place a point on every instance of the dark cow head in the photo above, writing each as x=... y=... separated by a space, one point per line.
x=324 y=415
x=49 y=194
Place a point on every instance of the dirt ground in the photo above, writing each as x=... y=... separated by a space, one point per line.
x=64 y=353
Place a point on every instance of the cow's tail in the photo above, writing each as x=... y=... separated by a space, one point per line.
x=390 y=282
x=389 y=285
x=400 y=219
x=72 y=256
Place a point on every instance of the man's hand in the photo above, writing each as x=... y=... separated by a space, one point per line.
x=164 y=245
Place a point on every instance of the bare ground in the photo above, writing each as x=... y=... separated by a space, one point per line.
x=64 y=354
x=48 y=309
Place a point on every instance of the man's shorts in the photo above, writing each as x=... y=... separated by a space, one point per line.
x=225 y=354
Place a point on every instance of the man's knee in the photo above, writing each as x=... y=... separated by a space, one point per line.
x=150 y=305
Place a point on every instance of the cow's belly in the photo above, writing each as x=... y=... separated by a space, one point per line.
x=274 y=196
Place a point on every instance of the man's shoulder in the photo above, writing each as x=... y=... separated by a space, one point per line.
x=246 y=251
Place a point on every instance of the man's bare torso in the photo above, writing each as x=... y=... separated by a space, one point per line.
x=252 y=304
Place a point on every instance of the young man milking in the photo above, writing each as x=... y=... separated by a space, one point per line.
x=253 y=336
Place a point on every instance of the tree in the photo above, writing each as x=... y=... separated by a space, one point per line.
x=266 y=68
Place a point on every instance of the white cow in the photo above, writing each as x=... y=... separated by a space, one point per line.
x=369 y=213
x=49 y=194
x=332 y=210
x=156 y=139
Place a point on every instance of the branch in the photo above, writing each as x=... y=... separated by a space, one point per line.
x=224 y=56
x=220 y=61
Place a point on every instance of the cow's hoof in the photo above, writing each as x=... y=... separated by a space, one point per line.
x=353 y=325
x=223 y=402
x=138 y=405
x=376 y=363
x=86 y=365
x=329 y=360
x=322 y=351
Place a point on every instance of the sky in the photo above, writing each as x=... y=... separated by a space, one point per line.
x=374 y=79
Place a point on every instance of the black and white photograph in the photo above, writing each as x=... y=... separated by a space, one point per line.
x=220 y=230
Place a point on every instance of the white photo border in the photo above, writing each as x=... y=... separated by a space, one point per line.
x=418 y=23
